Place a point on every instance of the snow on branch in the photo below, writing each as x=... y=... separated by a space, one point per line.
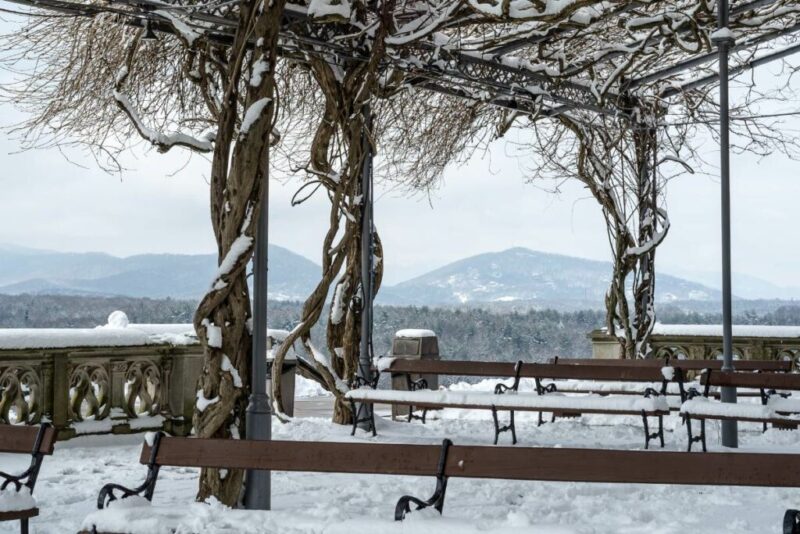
x=329 y=9
x=241 y=247
x=656 y=240
x=253 y=114
x=184 y=31
x=163 y=142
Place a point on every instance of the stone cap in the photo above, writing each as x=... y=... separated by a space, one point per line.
x=414 y=333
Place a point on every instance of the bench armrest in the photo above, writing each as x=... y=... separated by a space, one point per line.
x=108 y=492
x=28 y=477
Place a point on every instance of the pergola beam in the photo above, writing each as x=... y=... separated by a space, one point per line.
x=711 y=56
x=561 y=31
x=735 y=71
x=500 y=83
x=653 y=40
x=496 y=78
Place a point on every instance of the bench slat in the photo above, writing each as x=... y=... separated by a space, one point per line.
x=19 y=514
x=769 y=420
x=623 y=405
x=529 y=370
x=753 y=380
x=20 y=439
x=645 y=467
x=688 y=365
x=600 y=411
x=385 y=459
x=515 y=463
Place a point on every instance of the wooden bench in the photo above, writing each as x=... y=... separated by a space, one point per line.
x=773 y=409
x=765 y=366
x=652 y=404
x=38 y=442
x=456 y=461
x=688 y=368
x=537 y=371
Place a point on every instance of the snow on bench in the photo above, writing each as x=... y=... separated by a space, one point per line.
x=775 y=411
x=620 y=388
x=135 y=515
x=651 y=406
x=12 y=500
x=518 y=401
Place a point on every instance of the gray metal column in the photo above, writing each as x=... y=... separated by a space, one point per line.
x=724 y=41
x=367 y=254
x=259 y=420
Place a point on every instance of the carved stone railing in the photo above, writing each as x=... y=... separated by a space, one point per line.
x=101 y=389
x=698 y=342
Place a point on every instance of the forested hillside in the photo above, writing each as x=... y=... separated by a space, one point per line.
x=472 y=333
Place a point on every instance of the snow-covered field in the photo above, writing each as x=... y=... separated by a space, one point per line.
x=323 y=503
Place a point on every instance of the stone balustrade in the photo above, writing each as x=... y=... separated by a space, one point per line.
x=117 y=380
x=698 y=342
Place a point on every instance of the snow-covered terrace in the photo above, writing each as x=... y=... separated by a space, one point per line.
x=343 y=504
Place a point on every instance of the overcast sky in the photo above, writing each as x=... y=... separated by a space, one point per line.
x=46 y=202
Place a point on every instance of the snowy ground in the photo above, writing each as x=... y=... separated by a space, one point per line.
x=322 y=503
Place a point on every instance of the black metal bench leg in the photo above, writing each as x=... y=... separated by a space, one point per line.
x=437 y=499
x=411 y=415
x=540 y=422
x=703 y=434
x=513 y=429
x=23 y=526
x=694 y=439
x=496 y=425
x=499 y=429
x=791 y=522
x=661 y=430
x=355 y=417
x=646 y=431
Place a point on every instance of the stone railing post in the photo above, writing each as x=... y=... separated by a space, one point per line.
x=60 y=392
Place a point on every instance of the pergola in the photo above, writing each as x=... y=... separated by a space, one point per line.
x=582 y=59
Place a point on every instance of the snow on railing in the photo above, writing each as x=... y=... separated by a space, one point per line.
x=716 y=330
x=117 y=332
x=115 y=378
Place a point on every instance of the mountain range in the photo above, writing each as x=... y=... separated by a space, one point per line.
x=182 y=276
x=512 y=277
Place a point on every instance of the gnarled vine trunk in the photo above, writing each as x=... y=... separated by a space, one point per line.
x=240 y=168
x=342 y=140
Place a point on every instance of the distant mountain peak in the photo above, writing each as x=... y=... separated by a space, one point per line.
x=519 y=274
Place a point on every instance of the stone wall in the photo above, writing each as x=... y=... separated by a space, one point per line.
x=93 y=390
x=699 y=342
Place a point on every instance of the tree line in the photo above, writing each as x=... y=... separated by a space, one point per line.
x=468 y=333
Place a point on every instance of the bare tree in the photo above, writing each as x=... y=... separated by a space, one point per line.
x=98 y=81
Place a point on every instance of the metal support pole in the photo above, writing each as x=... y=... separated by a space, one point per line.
x=724 y=40
x=367 y=252
x=259 y=420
